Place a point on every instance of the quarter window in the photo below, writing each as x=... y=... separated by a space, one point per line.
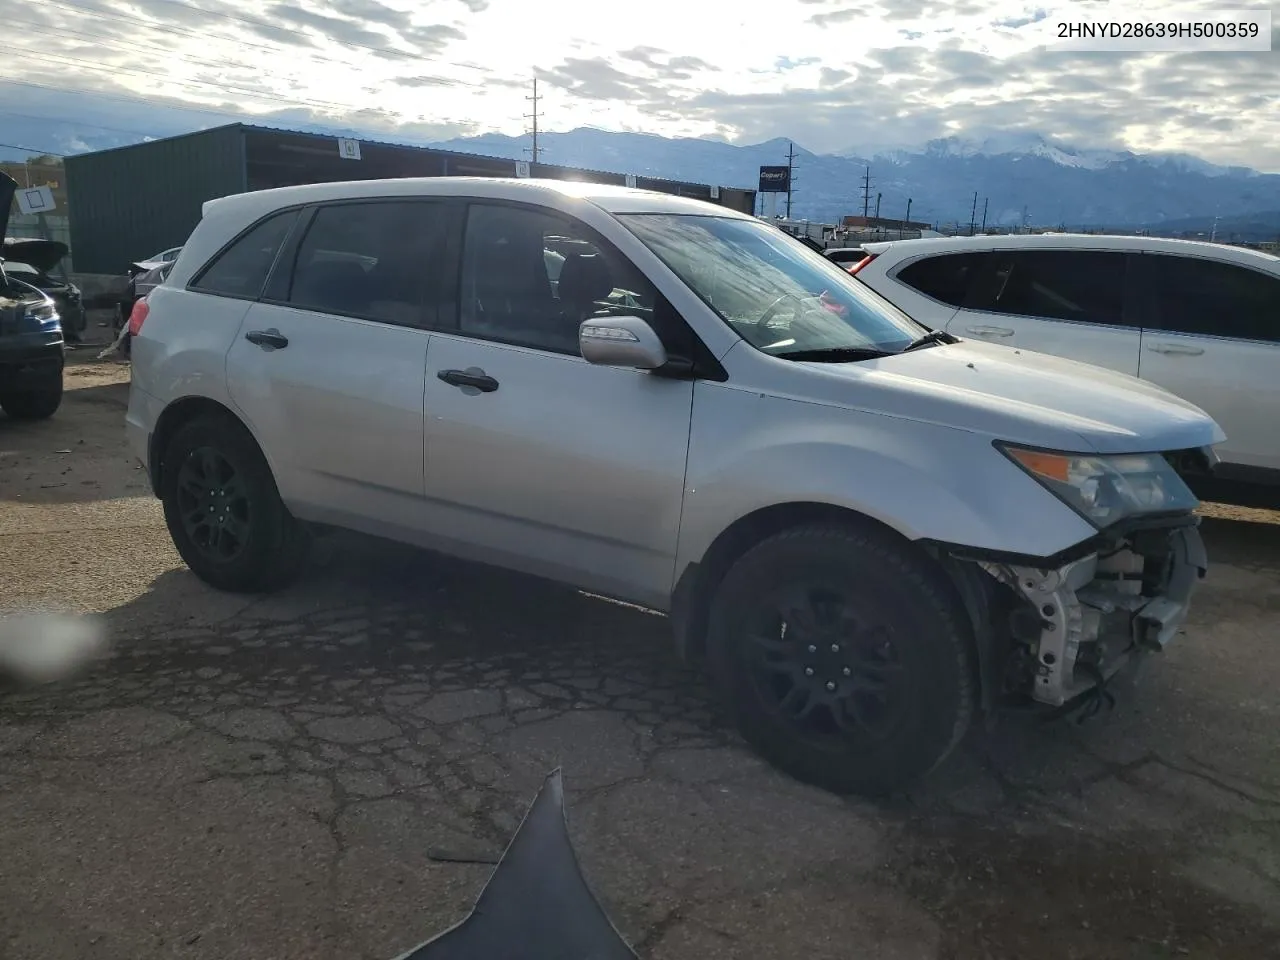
x=241 y=269
x=946 y=277
x=1215 y=298
x=532 y=278
x=1082 y=285
x=366 y=260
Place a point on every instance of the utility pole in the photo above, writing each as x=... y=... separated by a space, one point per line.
x=973 y=214
x=985 y=200
x=791 y=159
x=878 y=196
x=1024 y=218
x=535 y=98
x=866 y=193
x=906 y=223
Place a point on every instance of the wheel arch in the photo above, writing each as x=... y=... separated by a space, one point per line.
x=175 y=416
x=697 y=582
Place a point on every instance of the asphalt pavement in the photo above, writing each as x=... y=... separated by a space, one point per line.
x=296 y=776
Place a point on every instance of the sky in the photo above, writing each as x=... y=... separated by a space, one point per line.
x=837 y=76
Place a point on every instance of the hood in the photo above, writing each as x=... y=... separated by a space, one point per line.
x=1026 y=397
x=44 y=255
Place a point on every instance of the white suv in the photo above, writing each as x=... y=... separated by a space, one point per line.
x=869 y=530
x=1200 y=319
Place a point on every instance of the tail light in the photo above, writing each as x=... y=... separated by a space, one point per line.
x=139 y=314
x=853 y=271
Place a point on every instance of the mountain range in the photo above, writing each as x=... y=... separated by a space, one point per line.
x=1012 y=174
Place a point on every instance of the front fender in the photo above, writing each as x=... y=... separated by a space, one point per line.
x=750 y=451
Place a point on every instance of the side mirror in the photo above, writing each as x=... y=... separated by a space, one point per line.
x=621 y=342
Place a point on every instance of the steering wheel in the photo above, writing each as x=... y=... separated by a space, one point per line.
x=761 y=325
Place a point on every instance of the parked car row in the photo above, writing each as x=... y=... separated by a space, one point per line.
x=868 y=530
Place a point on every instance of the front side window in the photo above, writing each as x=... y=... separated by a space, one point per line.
x=241 y=269
x=1082 y=285
x=1215 y=298
x=779 y=296
x=945 y=277
x=531 y=278
x=368 y=260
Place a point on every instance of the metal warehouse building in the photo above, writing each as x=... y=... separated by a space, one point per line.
x=132 y=202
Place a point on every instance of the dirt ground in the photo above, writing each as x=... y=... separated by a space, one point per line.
x=266 y=778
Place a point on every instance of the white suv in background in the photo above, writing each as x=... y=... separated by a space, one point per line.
x=1200 y=319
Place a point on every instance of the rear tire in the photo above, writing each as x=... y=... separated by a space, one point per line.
x=38 y=404
x=867 y=683
x=224 y=512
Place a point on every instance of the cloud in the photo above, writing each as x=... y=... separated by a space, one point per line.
x=829 y=73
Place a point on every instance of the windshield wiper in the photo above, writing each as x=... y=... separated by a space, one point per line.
x=933 y=336
x=834 y=354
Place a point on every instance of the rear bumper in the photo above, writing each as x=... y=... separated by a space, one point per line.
x=139 y=423
x=30 y=361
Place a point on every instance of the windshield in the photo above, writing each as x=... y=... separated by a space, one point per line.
x=781 y=297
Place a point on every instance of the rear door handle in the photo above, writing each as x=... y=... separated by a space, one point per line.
x=271 y=339
x=471 y=377
x=990 y=331
x=1175 y=348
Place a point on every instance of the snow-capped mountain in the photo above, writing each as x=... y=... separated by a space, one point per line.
x=1011 y=173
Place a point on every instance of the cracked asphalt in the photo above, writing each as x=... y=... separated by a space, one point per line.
x=280 y=777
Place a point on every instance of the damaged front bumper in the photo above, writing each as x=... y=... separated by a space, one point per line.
x=1075 y=625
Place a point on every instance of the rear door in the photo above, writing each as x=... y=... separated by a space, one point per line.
x=1069 y=303
x=929 y=289
x=1213 y=337
x=328 y=367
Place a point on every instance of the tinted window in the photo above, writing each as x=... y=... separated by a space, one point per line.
x=946 y=277
x=1055 y=284
x=241 y=269
x=366 y=260
x=531 y=278
x=1204 y=296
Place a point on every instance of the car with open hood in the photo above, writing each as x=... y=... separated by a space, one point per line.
x=33 y=261
x=867 y=531
x=31 y=338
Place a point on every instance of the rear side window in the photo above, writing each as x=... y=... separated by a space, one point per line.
x=368 y=260
x=241 y=269
x=946 y=277
x=1082 y=285
x=1209 y=297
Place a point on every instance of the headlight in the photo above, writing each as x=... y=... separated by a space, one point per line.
x=1107 y=489
x=42 y=312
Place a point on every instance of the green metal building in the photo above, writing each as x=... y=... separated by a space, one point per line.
x=133 y=202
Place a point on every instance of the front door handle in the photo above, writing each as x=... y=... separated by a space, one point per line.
x=471 y=377
x=990 y=331
x=1175 y=348
x=271 y=339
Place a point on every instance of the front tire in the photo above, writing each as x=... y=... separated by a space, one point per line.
x=843 y=658
x=224 y=512
x=38 y=404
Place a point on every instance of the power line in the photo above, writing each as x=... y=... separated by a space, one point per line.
x=535 y=98
x=77 y=123
x=791 y=159
x=49 y=153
